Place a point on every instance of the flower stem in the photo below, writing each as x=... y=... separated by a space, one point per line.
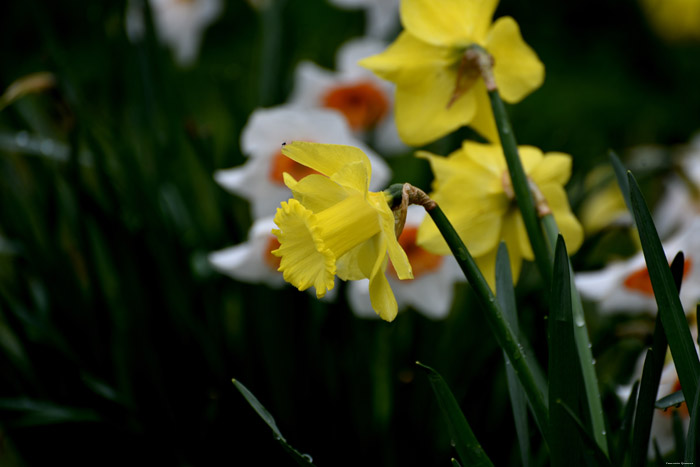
x=583 y=346
x=505 y=337
x=543 y=254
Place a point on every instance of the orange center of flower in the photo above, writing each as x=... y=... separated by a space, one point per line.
x=363 y=104
x=639 y=280
x=422 y=261
x=281 y=164
x=270 y=259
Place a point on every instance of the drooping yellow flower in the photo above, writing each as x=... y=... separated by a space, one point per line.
x=437 y=88
x=473 y=188
x=335 y=226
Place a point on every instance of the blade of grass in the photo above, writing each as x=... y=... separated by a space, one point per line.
x=673 y=318
x=651 y=376
x=691 y=443
x=623 y=442
x=565 y=378
x=466 y=444
x=583 y=346
x=678 y=436
x=672 y=400
x=455 y=463
x=621 y=175
x=301 y=459
x=599 y=456
x=505 y=294
x=645 y=412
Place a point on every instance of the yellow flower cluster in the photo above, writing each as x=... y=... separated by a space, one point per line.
x=437 y=88
x=335 y=226
x=473 y=188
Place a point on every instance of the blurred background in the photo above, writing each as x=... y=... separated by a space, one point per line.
x=118 y=340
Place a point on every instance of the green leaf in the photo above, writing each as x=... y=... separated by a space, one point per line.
x=301 y=459
x=466 y=444
x=678 y=435
x=505 y=294
x=31 y=412
x=672 y=400
x=598 y=456
x=623 y=441
x=666 y=293
x=691 y=443
x=565 y=378
x=651 y=376
x=455 y=463
x=645 y=411
x=621 y=175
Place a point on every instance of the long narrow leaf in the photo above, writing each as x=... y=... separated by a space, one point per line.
x=645 y=411
x=301 y=459
x=466 y=444
x=623 y=440
x=505 y=294
x=621 y=175
x=565 y=378
x=666 y=294
x=672 y=400
x=651 y=376
x=598 y=456
x=691 y=442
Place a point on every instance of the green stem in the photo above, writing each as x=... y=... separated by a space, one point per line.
x=583 y=345
x=543 y=255
x=505 y=337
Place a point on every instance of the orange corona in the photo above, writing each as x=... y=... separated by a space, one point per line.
x=639 y=280
x=363 y=104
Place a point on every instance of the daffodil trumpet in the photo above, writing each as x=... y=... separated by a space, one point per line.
x=400 y=196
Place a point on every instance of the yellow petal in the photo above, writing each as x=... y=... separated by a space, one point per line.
x=381 y=296
x=422 y=112
x=488 y=156
x=316 y=192
x=478 y=225
x=555 y=167
x=487 y=266
x=448 y=22
x=517 y=69
x=396 y=254
x=531 y=157
x=327 y=158
x=569 y=226
x=305 y=259
x=484 y=121
x=354 y=176
x=515 y=236
x=359 y=262
x=408 y=60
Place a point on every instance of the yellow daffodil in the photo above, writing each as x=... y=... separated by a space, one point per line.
x=335 y=226
x=438 y=89
x=473 y=188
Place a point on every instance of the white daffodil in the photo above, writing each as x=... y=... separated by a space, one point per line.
x=662 y=422
x=625 y=285
x=179 y=24
x=680 y=203
x=430 y=291
x=366 y=101
x=252 y=261
x=382 y=15
x=260 y=180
